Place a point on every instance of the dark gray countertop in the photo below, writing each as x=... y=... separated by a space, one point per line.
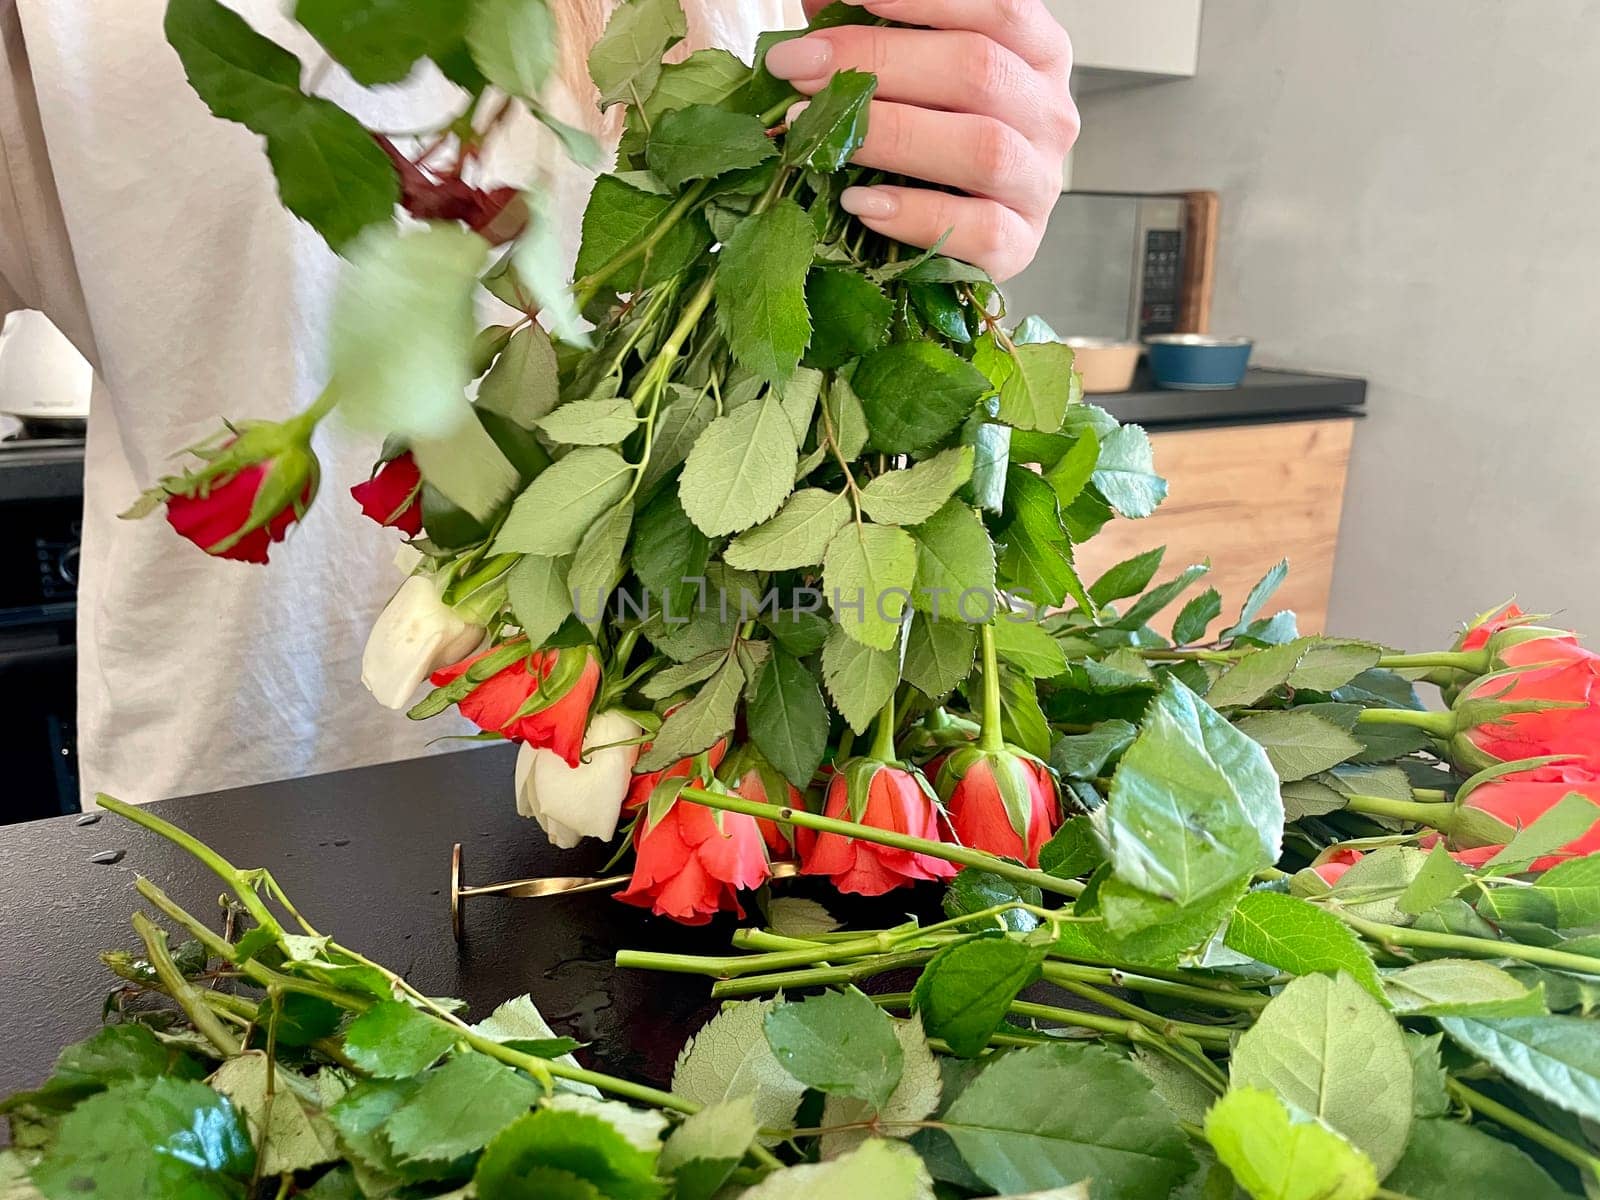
x=365 y=855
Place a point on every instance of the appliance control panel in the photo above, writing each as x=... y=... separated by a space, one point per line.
x=1163 y=275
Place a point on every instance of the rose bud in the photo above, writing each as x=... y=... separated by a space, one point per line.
x=875 y=794
x=415 y=635
x=393 y=496
x=1520 y=798
x=542 y=699
x=1004 y=802
x=249 y=491
x=641 y=787
x=1546 y=708
x=766 y=785
x=574 y=802
x=1334 y=863
x=692 y=863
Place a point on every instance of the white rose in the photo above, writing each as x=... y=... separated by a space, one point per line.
x=413 y=637
x=572 y=803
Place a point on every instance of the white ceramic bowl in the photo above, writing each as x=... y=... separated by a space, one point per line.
x=1106 y=364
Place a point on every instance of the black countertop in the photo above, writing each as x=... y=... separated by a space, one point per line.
x=366 y=855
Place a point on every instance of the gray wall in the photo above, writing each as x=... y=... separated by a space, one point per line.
x=1411 y=192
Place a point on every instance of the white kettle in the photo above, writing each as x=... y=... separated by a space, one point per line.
x=42 y=375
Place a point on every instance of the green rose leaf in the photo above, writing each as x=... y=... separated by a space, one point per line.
x=1557 y=1058
x=1272 y=1156
x=1256 y=674
x=850 y=314
x=1029 y=648
x=591 y=422
x=1447 y=1160
x=869 y=571
x=1263 y=591
x=1196 y=617
x=974 y=891
x=729 y=1059
x=912 y=496
x=698 y=724
x=1126 y=474
x=1567 y=896
x=915 y=394
x=599 y=563
x=557 y=509
x=955 y=577
x=1037 y=562
x=705 y=77
x=880 y=1169
x=797 y=537
x=1190 y=769
x=1296 y=936
x=939 y=656
x=162 y=1137
x=458 y=1108
x=539 y=595
x=1458 y=987
x=740 y=470
x=514 y=44
x=1013 y=1129
x=833 y=125
x=966 y=990
x=914 y=1097
x=840 y=1043
x=702 y=1152
x=330 y=172
x=702 y=142
x=522 y=386
x=1299 y=743
x=392 y=1040
x=291 y=1132
x=619 y=215
x=1325 y=1046
x=577 y=1144
x=761 y=290
x=1036 y=395
x=788 y=719
x=1085 y=755
x=1127 y=578
x=379 y=41
x=626 y=62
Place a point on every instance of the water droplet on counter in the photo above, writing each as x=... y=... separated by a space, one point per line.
x=107 y=858
x=88 y=819
x=341 y=841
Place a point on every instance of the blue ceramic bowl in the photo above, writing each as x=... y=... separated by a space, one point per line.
x=1196 y=362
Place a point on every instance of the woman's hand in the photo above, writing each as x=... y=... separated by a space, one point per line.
x=978 y=101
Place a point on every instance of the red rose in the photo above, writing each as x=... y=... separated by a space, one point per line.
x=753 y=786
x=1559 y=671
x=393 y=496
x=972 y=786
x=641 y=787
x=894 y=801
x=1521 y=798
x=688 y=868
x=221 y=517
x=1337 y=862
x=500 y=703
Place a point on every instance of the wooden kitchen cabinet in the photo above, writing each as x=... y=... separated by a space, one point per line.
x=1243 y=496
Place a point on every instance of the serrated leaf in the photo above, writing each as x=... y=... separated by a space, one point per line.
x=1325 y=1046
x=1263 y=591
x=1298 y=743
x=1564 y=822
x=1256 y=674
x=939 y=655
x=1557 y=1058
x=1567 y=896
x=729 y=1058
x=392 y=1040
x=626 y=62
x=1127 y=578
x=591 y=422
x=974 y=891
x=1085 y=755
x=1460 y=987
x=1299 y=938
x=554 y=512
x=702 y=142
x=1448 y=1160
x=1330 y=663
x=697 y=725
x=523 y=385
x=703 y=1151
x=788 y=719
x=458 y=1108
x=379 y=41
x=915 y=394
x=1441 y=878
x=869 y=571
x=914 y=1097
x=740 y=470
x=966 y=990
x=540 y=598
x=850 y=315
x=1272 y=1156
x=1012 y=1128
x=1038 y=391
x=761 y=291
x=1196 y=616
x=913 y=496
x=514 y=43
x=619 y=215
x=706 y=77
x=1126 y=474
x=955 y=577
x=859 y=679
x=290 y=1133
x=797 y=537
x=578 y=1144
x=1190 y=769
x=1037 y=562
x=840 y=1043
x=1028 y=647
x=880 y=1169
x=834 y=124
x=598 y=565
x=330 y=172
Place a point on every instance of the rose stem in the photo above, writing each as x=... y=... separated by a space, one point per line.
x=1424 y=939
x=1518 y=1123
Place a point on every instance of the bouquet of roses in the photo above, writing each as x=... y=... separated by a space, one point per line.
x=759 y=538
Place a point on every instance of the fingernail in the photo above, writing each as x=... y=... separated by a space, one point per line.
x=802 y=58
x=869 y=202
x=795 y=110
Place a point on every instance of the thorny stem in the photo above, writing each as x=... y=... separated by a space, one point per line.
x=188 y=997
x=1063 y=973
x=587 y=288
x=1425 y=939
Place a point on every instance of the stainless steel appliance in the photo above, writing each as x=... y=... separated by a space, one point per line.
x=1111 y=266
